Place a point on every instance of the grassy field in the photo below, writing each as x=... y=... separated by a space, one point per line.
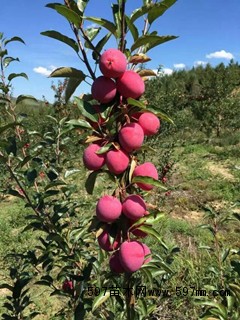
x=204 y=174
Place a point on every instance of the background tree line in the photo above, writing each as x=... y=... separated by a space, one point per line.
x=204 y=98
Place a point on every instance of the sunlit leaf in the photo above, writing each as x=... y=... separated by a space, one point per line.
x=68 y=72
x=82 y=5
x=150 y=41
x=60 y=37
x=219 y=306
x=147 y=273
x=160 y=114
x=69 y=14
x=153 y=218
x=136 y=103
x=99 y=46
x=103 y=296
x=117 y=18
x=23 y=97
x=104 y=23
x=91 y=34
x=8 y=60
x=86 y=109
x=79 y=123
x=150 y=181
x=154 y=233
x=104 y=149
x=159 y=9
x=132 y=28
x=137 y=13
x=68 y=173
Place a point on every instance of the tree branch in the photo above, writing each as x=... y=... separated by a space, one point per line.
x=123 y=26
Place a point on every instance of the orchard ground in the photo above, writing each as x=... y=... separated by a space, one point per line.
x=207 y=172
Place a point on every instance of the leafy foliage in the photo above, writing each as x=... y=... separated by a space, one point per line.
x=206 y=96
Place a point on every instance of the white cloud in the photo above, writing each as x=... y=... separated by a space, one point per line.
x=162 y=71
x=44 y=71
x=222 y=54
x=179 y=66
x=199 y=63
x=92 y=25
x=167 y=71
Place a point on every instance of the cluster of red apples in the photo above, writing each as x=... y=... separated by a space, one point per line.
x=116 y=82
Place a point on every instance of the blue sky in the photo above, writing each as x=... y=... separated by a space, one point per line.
x=208 y=30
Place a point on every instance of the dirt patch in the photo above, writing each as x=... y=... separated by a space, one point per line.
x=219 y=205
x=194 y=216
x=191 y=216
x=219 y=170
x=4 y=292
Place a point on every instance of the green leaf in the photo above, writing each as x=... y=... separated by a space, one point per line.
x=60 y=37
x=160 y=114
x=141 y=11
x=100 y=45
x=72 y=85
x=147 y=273
x=220 y=307
x=79 y=123
x=136 y=103
x=69 y=173
x=3 y=53
x=86 y=109
x=117 y=18
x=68 y=72
x=154 y=233
x=153 y=218
x=8 y=60
x=69 y=14
x=91 y=33
x=82 y=5
x=91 y=180
x=159 y=9
x=31 y=175
x=23 y=97
x=132 y=28
x=104 y=23
x=150 y=41
x=143 y=306
x=15 y=75
x=103 y=42
x=104 y=149
x=100 y=299
x=14 y=39
x=149 y=180
x=225 y=254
